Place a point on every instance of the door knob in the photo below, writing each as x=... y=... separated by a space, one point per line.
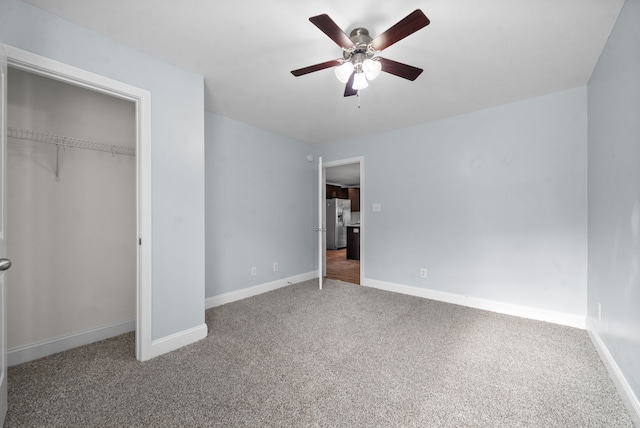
x=5 y=264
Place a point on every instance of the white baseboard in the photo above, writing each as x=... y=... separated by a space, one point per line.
x=177 y=340
x=221 y=299
x=619 y=380
x=561 y=318
x=44 y=348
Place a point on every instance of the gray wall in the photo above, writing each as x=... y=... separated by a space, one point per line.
x=614 y=195
x=260 y=206
x=493 y=203
x=177 y=127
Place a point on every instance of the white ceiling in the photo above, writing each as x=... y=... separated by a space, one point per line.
x=344 y=175
x=475 y=54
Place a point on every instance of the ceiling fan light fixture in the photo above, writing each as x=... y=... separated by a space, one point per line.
x=359 y=81
x=360 y=61
x=343 y=72
x=371 y=68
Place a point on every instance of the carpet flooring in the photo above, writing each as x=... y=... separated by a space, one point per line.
x=346 y=356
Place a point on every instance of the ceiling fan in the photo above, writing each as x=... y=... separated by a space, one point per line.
x=360 y=61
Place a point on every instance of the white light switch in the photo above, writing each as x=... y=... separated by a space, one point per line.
x=376 y=208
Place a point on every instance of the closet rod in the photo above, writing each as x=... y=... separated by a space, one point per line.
x=25 y=134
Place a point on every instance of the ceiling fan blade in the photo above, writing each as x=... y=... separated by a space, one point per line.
x=399 y=69
x=331 y=29
x=348 y=89
x=316 y=67
x=405 y=27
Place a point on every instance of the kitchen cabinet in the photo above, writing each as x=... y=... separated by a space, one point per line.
x=354 y=197
x=353 y=242
x=336 y=192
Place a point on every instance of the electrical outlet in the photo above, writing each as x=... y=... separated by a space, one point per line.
x=423 y=273
x=377 y=208
x=254 y=271
x=599 y=312
x=275 y=267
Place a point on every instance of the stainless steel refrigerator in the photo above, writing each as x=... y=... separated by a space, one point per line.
x=338 y=217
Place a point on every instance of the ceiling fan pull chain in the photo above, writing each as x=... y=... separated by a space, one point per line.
x=358 y=96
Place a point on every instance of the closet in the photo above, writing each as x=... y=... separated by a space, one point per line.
x=71 y=211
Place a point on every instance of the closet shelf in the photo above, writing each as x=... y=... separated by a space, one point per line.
x=25 y=134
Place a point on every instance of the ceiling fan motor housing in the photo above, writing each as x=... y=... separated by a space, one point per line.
x=362 y=46
x=360 y=36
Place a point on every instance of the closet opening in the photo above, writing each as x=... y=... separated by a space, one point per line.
x=72 y=215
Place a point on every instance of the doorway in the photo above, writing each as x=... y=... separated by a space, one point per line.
x=344 y=254
x=141 y=99
x=71 y=191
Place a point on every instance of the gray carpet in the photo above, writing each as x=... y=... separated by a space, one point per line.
x=347 y=356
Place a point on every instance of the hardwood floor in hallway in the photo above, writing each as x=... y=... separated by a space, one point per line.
x=339 y=267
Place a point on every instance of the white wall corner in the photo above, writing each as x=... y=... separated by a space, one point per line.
x=44 y=348
x=570 y=320
x=176 y=341
x=624 y=389
x=221 y=299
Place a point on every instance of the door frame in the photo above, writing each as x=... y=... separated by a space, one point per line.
x=349 y=161
x=37 y=64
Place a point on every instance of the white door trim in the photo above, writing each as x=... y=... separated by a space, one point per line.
x=321 y=224
x=47 y=67
x=350 y=161
x=3 y=244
